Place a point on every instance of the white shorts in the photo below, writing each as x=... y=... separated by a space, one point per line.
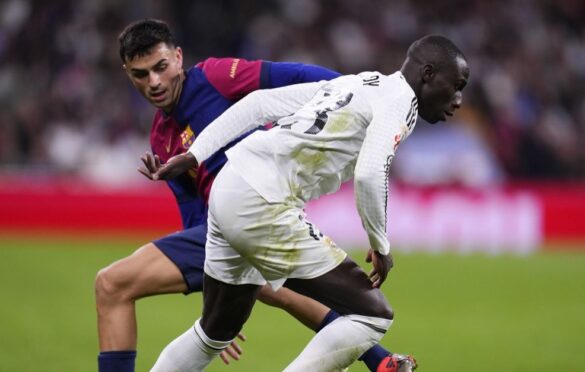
x=251 y=241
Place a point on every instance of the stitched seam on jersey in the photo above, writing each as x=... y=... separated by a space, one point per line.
x=386 y=181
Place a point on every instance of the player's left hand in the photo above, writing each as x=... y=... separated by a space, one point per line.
x=176 y=166
x=382 y=265
x=233 y=351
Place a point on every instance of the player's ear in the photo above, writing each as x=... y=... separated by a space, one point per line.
x=125 y=68
x=179 y=55
x=428 y=72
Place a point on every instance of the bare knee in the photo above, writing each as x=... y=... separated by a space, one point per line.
x=377 y=306
x=382 y=309
x=111 y=287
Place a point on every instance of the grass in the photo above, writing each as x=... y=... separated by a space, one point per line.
x=453 y=312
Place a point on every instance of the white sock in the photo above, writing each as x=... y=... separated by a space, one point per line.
x=340 y=343
x=190 y=352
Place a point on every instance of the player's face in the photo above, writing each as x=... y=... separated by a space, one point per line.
x=442 y=92
x=158 y=75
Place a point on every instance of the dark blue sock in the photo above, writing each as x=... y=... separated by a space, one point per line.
x=374 y=356
x=116 y=361
x=331 y=316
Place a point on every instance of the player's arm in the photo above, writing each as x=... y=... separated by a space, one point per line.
x=280 y=74
x=251 y=111
x=234 y=78
x=371 y=179
x=248 y=113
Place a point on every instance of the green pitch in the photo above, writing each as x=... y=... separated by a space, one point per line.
x=454 y=313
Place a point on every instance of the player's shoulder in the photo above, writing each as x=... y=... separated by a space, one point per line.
x=231 y=76
x=380 y=89
x=394 y=85
x=227 y=67
x=376 y=78
x=362 y=79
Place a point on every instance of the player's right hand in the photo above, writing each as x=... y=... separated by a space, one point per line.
x=176 y=166
x=151 y=165
x=382 y=265
x=233 y=351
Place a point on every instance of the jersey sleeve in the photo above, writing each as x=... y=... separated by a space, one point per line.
x=236 y=77
x=279 y=74
x=387 y=128
x=248 y=113
x=233 y=77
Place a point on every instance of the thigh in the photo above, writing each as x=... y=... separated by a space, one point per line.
x=275 y=238
x=286 y=245
x=347 y=289
x=222 y=261
x=186 y=250
x=144 y=273
x=226 y=308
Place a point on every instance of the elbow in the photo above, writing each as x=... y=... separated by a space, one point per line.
x=362 y=179
x=363 y=185
x=358 y=182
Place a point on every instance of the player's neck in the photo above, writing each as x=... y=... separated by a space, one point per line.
x=181 y=78
x=411 y=75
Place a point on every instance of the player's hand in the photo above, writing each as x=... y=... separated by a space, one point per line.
x=176 y=166
x=233 y=351
x=151 y=165
x=382 y=265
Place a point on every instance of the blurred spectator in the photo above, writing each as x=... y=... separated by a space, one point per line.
x=68 y=108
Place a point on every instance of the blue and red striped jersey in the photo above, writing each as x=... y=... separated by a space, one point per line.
x=210 y=88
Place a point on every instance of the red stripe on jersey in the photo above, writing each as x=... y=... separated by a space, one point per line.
x=232 y=77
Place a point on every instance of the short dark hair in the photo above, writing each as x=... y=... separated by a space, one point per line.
x=139 y=37
x=435 y=49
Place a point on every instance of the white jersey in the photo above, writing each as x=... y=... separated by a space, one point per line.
x=349 y=126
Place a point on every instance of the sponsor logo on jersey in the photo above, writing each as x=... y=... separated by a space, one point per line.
x=187 y=137
x=234 y=67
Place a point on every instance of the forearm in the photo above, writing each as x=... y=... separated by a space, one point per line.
x=251 y=111
x=371 y=180
x=385 y=132
x=371 y=193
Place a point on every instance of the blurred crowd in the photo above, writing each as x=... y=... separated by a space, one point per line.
x=68 y=108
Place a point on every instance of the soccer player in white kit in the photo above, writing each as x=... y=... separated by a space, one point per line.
x=326 y=133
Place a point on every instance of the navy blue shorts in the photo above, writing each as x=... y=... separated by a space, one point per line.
x=186 y=249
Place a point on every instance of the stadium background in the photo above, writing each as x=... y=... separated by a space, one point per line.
x=486 y=213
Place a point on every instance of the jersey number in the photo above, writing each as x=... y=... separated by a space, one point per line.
x=322 y=104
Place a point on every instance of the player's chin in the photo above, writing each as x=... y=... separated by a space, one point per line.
x=432 y=118
x=435 y=119
x=160 y=104
x=439 y=117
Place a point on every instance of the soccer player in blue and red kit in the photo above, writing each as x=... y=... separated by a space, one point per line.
x=187 y=101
